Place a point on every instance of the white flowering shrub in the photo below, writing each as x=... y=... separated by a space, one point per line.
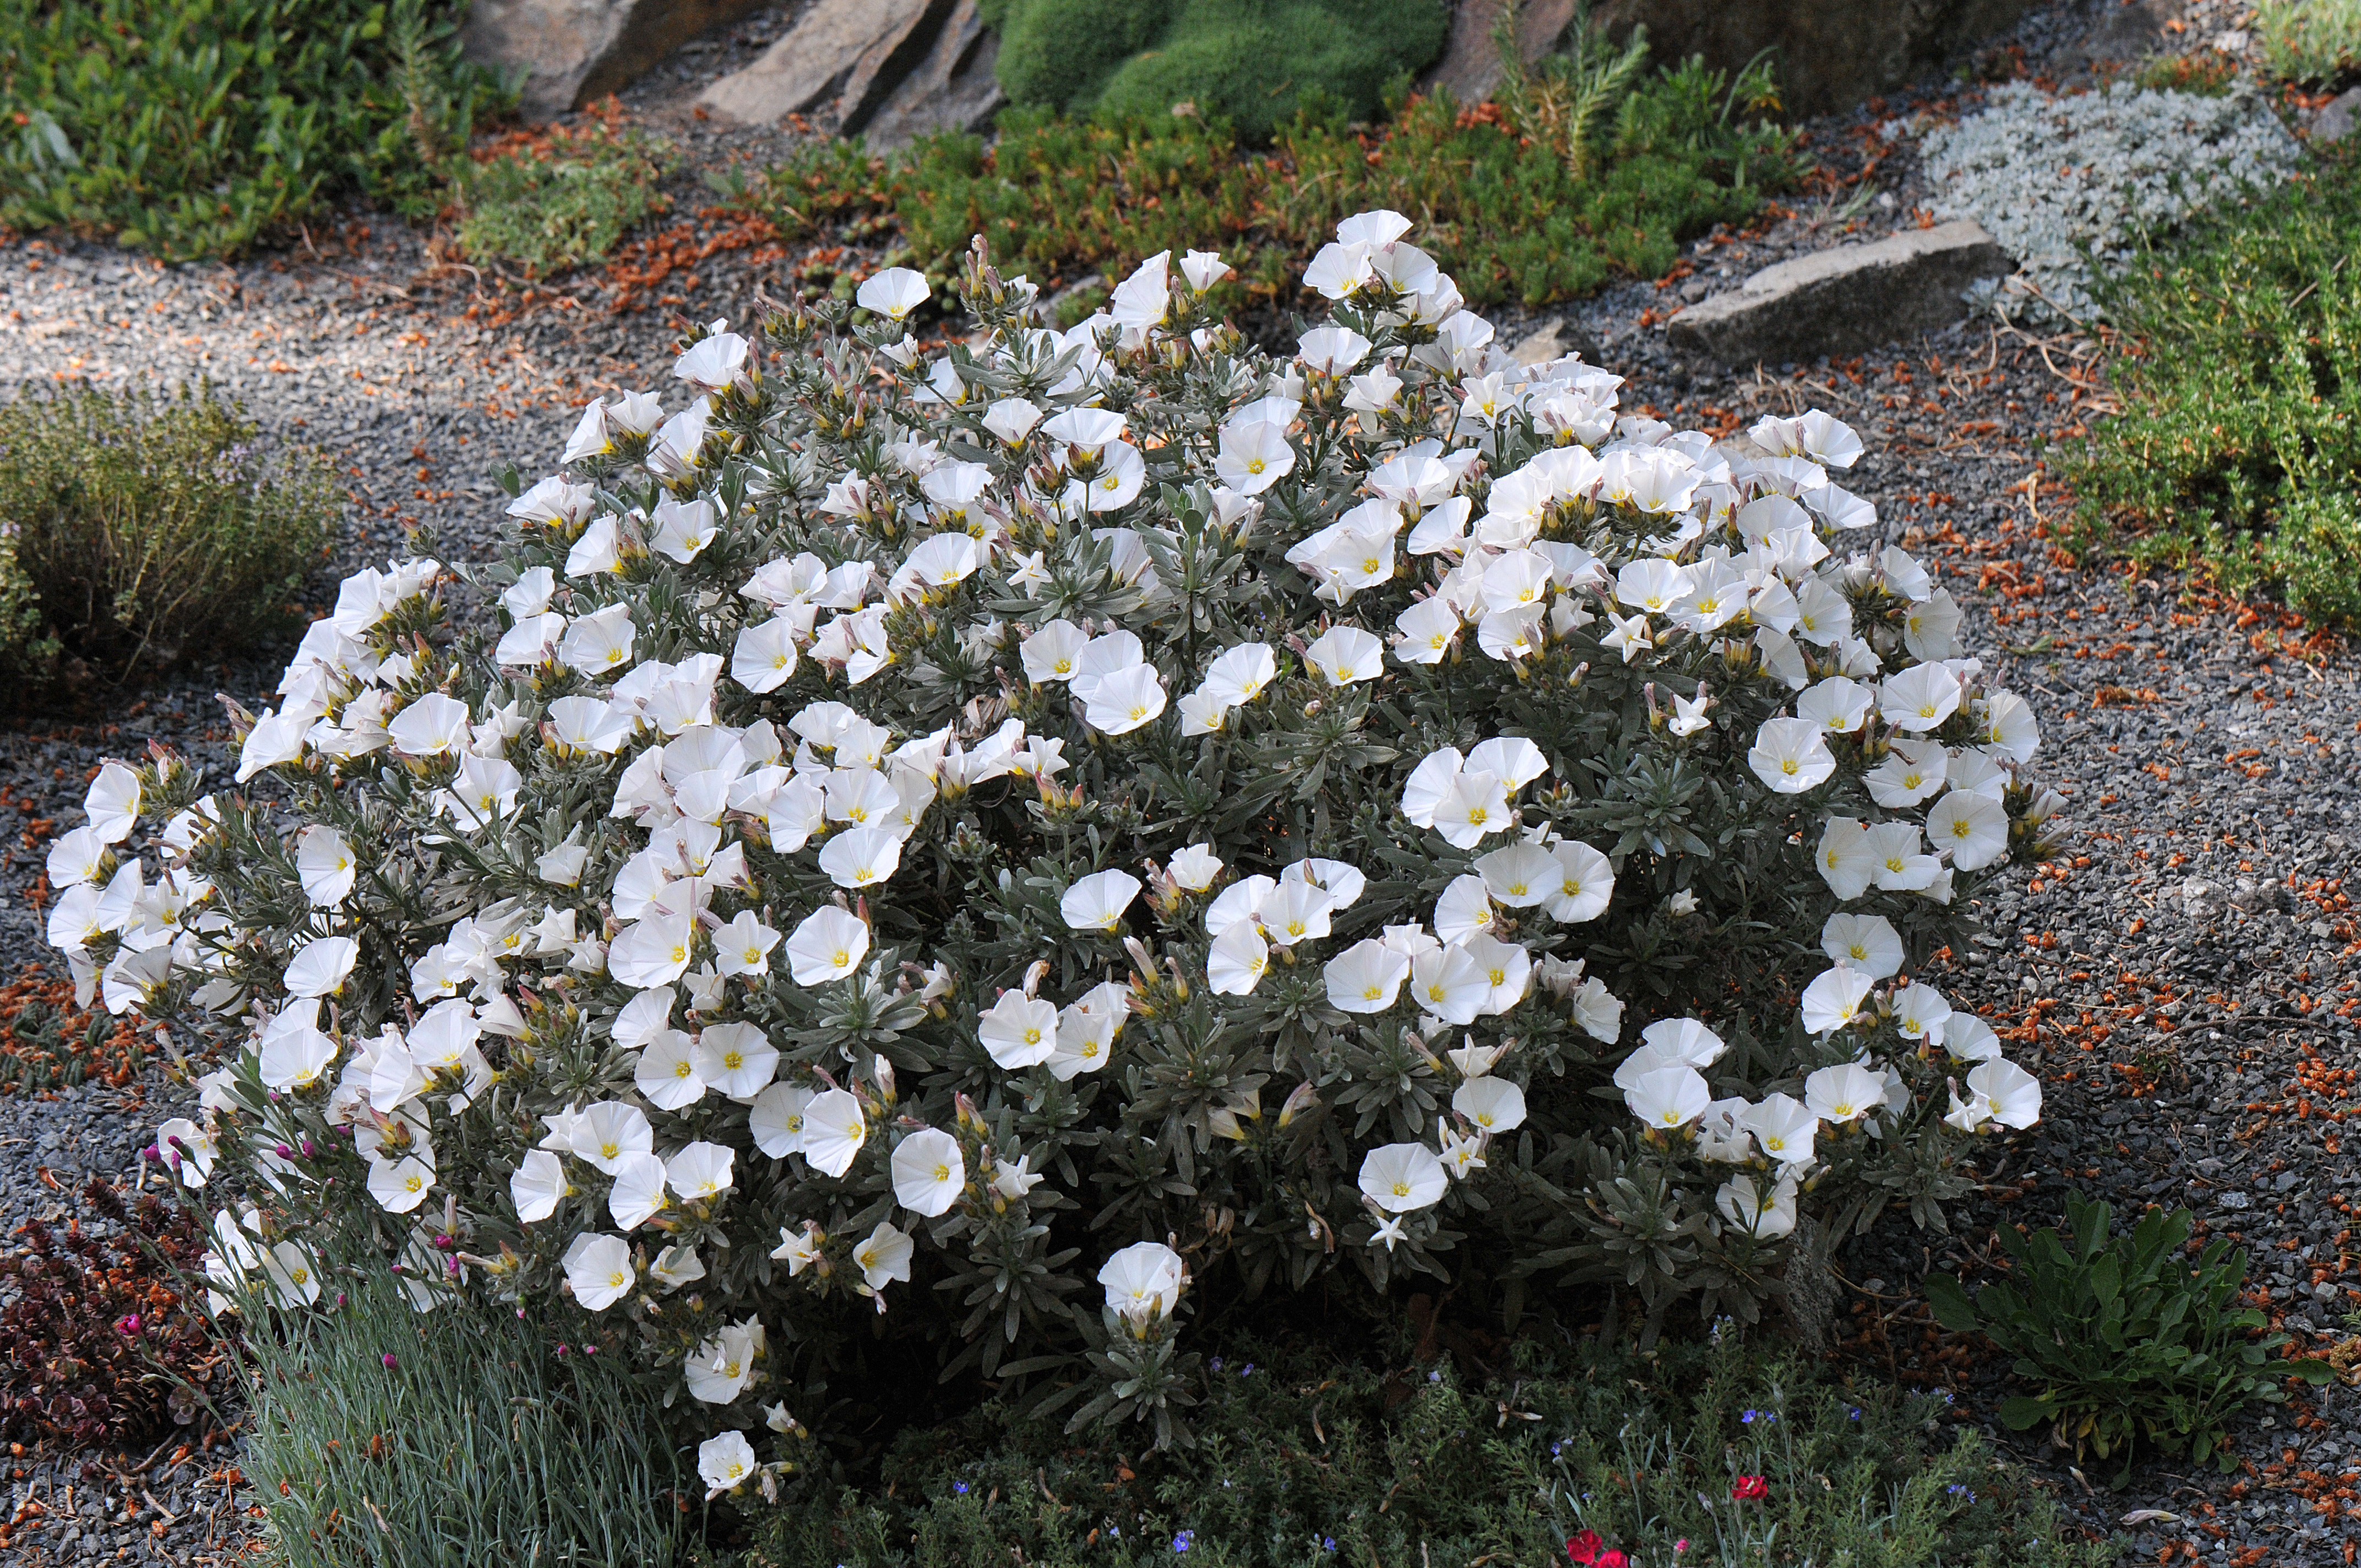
x=1063 y=834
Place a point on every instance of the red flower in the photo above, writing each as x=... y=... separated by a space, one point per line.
x=1751 y=1489
x=1584 y=1547
x=1611 y=1559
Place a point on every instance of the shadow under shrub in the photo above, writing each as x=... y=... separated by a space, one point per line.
x=386 y=1437
x=145 y=528
x=2238 y=453
x=1305 y=1462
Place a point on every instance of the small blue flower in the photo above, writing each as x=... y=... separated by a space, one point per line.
x=1434 y=1376
x=960 y=1487
x=1247 y=1370
x=1748 y=1418
x=1327 y=1543
x=1853 y=1412
x=1183 y=1541
x=1214 y=1365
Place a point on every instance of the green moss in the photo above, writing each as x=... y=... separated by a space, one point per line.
x=560 y=200
x=2238 y=453
x=1256 y=63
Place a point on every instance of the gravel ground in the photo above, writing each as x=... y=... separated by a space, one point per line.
x=2181 y=979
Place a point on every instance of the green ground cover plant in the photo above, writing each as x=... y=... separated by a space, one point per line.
x=1255 y=64
x=199 y=126
x=1589 y=168
x=385 y=1437
x=143 y=527
x=2132 y=1342
x=2238 y=451
x=557 y=198
x=2309 y=40
x=1701 y=1454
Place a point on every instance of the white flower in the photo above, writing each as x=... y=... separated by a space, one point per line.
x=1764 y=1215
x=1194 y=868
x=1669 y=1097
x=1365 y=977
x=190 y=1151
x=1235 y=961
x=323 y=862
x=1783 y=1126
x=610 y=1132
x=829 y=945
x=1402 y=1177
x=111 y=803
x=1866 y=942
x=724 y=1462
x=1096 y=901
x=929 y=1172
x=1344 y=655
x=1240 y=673
x=1493 y=1104
x=321 y=966
x=1846 y=856
x=399 y=1185
x=1254 y=455
x=2005 y=1092
x=638 y=1194
x=1475 y=806
x=834 y=1130
x=1833 y=999
x=537 y=1186
x=1121 y=702
x=1520 y=875
x=652 y=951
x=598 y=1270
x=1919 y=699
x=736 y=1059
x=1446 y=983
x=718 y=1370
x=1143 y=1282
x=1974 y=828
x=893 y=293
x=1790 y=755
x=1843 y=1093
x=1921 y=1013
x=861 y=857
x=776 y=1120
x=798 y=1250
x=883 y=1257
x=1019 y=1031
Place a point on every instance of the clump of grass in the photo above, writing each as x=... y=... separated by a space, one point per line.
x=145 y=528
x=2240 y=451
x=1577 y=173
x=196 y=129
x=384 y=1437
x=2309 y=40
x=559 y=197
x=1308 y=1463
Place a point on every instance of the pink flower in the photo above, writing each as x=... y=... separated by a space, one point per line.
x=1751 y=1489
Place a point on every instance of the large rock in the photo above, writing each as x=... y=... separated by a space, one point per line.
x=955 y=88
x=575 y=50
x=1842 y=300
x=853 y=51
x=1470 y=67
x=1830 y=54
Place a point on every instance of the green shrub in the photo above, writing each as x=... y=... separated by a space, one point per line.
x=384 y=1437
x=2239 y=452
x=1306 y=1463
x=1567 y=181
x=194 y=128
x=2309 y=40
x=558 y=199
x=2130 y=1342
x=144 y=527
x=1252 y=62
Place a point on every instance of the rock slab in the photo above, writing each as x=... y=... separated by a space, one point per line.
x=955 y=88
x=1470 y=67
x=2335 y=118
x=854 y=51
x=1842 y=300
x=573 y=51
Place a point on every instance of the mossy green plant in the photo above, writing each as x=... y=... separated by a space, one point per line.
x=1255 y=64
x=562 y=197
x=2239 y=451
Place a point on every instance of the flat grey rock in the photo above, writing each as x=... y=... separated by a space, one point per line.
x=573 y=51
x=853 y=51
x=2335 y=118
x=1470 y=67
x=1842 y=300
